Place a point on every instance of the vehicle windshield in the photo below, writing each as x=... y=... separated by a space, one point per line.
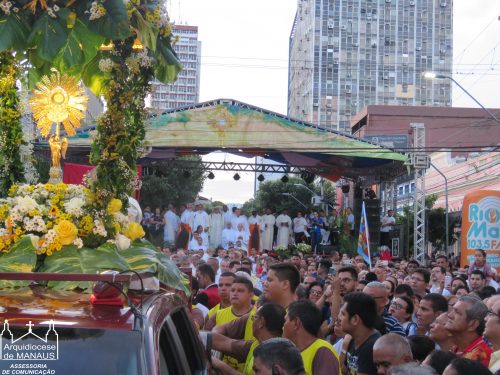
x=72 y=351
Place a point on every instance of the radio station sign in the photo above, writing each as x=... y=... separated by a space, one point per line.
x=481 y=226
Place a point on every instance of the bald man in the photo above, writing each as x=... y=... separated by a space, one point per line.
x=391 y=350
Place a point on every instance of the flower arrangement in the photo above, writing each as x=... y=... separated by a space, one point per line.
x=283 y=251
x=302 y=248
x=55 y=215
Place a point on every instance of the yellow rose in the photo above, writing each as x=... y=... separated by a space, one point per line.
x=66 y=231
x=114 y=205
x=134 y=231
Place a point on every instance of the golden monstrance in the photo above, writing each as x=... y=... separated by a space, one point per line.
x=58 y=99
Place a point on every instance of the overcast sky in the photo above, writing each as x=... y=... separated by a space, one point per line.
x=245 y=57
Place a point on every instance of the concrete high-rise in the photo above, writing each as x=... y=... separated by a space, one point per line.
x=347 y=54
x=186 y=90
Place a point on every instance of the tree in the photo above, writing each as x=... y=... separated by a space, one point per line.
x=274 y=195
x=435 y=224
x=174 y=186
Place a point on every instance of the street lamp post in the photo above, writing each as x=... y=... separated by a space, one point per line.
x=293 y=196
x=432 y=75
x=446 y=207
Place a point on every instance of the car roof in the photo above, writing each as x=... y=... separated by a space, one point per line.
x=40 y=305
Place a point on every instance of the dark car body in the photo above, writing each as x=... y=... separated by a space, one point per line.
x=152 y=333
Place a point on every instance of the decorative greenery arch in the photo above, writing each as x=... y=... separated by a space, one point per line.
x=116 y=48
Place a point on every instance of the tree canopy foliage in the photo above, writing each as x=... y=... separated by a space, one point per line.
x=174 y=186
x=279 y=195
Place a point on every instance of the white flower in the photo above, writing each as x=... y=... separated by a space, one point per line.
x=78 y=242
x=74 y=206
x=56 y=8
x=122 y=242
x=26 y=204
x=106 y=65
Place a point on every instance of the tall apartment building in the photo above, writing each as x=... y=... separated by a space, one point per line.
x=347 y=54
x=186 y=90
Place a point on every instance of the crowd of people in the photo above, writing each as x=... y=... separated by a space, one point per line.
x=192 y=228
x=328 y=314
x=335 y=314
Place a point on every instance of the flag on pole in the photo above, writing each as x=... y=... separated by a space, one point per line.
x=364 y=237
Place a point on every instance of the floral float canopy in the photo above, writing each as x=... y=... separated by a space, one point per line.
x=68 y=35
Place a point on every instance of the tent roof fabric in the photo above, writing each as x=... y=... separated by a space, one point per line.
x=231 y=126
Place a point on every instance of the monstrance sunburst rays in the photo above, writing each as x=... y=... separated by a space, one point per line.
x=60 y=99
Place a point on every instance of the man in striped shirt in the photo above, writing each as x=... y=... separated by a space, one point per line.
x=387 y=323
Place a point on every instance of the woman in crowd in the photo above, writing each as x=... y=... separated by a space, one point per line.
x=402 y=309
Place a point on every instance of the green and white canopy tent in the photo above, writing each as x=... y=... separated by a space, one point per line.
x=231 y=126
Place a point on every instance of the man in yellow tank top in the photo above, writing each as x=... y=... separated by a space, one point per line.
x=241 y=304
x=225 y=282
x=278 y=356
x=302 y=324
x=267 y=323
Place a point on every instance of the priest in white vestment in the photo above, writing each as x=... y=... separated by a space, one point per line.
x=200 y=217
x=284 y=224
x=242 y=236
x=228 y=236
x=238 y=218
x=268 y=221
x=216 y=225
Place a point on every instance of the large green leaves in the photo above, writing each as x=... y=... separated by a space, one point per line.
x=143 y=257
x=14 y=32
x=79 y=48
x=93 y=77
x=21 y=258
x=49 y=34
x=146 y=32
x=85 y=260
x=167 y=64
x=114 y=25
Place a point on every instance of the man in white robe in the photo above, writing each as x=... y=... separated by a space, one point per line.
x=200 y=217
x=228 y=236
x=228 y=215
x=284 y=224
x=242 y=236
x=216 y=225
x=171 y=227
x=238 y=218
x=268 y=221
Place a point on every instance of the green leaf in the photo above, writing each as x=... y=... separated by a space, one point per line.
x=142 y=256
x=48 y=35
x=93 y=77
x=80 y=47
x=73 y=260
x=114 y=24
x=21 y=258
x=167 y=65
x=14 y=32
x=146 y=32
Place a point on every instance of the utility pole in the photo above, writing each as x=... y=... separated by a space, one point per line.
x=420 y=162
